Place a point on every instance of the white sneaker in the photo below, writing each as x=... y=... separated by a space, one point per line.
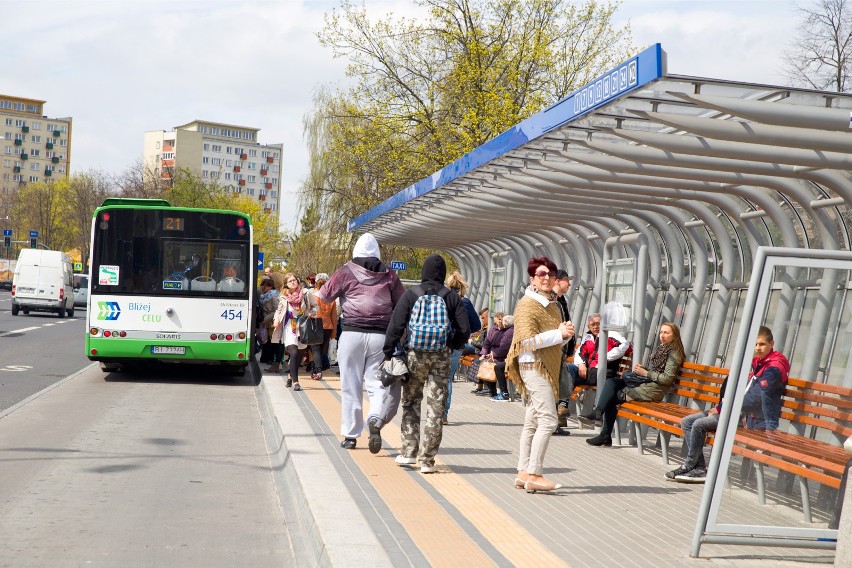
x=428 y=469
x=402 y=460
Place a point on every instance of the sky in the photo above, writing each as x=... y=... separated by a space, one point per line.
x=124 y=67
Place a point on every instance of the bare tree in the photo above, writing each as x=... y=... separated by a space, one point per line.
x=820 y=55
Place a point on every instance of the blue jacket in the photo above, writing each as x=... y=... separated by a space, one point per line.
x=767 y=381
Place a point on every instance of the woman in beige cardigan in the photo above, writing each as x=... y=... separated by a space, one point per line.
x=536 y=357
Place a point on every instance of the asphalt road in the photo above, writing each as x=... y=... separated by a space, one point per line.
x=36 y=350
x=167 y=467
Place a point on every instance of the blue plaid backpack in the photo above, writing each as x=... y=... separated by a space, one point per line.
x=429 y=322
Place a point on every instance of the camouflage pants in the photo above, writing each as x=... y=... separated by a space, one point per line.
x=428 y=374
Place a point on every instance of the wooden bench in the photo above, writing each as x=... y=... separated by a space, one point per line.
x=819 y=419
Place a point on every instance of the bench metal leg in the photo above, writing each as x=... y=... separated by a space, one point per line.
x=637 y=430
x=806 y=498
x=664 y=445
x=761 y=483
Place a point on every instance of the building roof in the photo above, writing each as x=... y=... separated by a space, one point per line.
x=637 y=147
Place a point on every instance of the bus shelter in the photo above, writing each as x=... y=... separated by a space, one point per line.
x=657 y=190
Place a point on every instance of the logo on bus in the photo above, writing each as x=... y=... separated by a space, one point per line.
x=154 y=318
x=108 y=311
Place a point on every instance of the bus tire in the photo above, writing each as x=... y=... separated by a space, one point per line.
x=109 y=367
x=15 y=309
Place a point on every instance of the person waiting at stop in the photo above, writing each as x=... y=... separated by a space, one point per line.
x=584 y=370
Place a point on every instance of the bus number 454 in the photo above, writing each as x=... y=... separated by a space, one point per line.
x=232 y=315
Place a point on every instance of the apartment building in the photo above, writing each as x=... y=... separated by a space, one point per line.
x=225 y=154
x=35 y=147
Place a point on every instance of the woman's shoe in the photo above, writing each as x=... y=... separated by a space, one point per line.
x=519 y=483
x=289 y=383
x=476 y=390
x=297 y=387
x=600 y=440
x=544 y=485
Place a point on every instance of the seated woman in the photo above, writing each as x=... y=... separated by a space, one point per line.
x=496 y=348
x=662 y=369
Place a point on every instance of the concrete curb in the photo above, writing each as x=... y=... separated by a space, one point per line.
x=325 y=524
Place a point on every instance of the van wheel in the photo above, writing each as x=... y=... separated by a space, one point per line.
x=61 y=313
x=15 y=309
x=26 y=312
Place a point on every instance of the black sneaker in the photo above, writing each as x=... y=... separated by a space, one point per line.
x=375 y=442
x=670 y=475
x=348 y=443
x=560 y=431
x=697 y=475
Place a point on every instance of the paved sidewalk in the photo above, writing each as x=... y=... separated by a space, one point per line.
x=352 y=508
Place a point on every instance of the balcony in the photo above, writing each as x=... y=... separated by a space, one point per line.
x=262 y=197
x=263 y=172
x=269 y=159
x=56 y=133
x=17 y=169
x=25 y=129
x=242 y=182
x=49 y=145
x=244 y=156
x=48 y=173
x=268 y=185
x=19 y=142
x=168 y=149
x=55 y=160
x=237 y=169
x=25 y=157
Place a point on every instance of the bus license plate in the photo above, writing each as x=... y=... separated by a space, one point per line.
x=168 y=350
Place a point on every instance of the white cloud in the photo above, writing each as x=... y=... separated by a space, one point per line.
x=120 y=68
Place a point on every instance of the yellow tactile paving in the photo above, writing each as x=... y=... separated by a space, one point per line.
x=436 y=534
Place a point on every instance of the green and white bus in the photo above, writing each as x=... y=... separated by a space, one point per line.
x=170 y=284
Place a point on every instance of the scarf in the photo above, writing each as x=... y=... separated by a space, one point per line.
x=531 y=318
x=295 y=299
x=659 y=357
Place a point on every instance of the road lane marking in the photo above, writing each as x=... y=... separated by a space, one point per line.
x=15 y=368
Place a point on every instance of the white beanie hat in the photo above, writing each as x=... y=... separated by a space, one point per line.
x=366 y=245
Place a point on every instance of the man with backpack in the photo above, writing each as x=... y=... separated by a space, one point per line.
x=431 y=321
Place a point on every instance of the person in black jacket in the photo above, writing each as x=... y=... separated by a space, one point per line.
x=563 y=284
x=428 y=370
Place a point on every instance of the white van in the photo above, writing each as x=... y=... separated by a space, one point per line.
x=42 y=283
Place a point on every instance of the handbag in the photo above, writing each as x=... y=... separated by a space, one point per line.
x=632 y=380
x=310 y=330
x=486 y=372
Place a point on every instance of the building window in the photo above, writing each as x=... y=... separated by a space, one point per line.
x=250 y=191
x=217 y=148
x=8 y=122
x=35 y=138
x=206 y=147
x=35 y=166
x=228 y=149
x=35 y=153
x=33 y=178
x=227 y=175
x=205 y=160
x=273 y=194
x=204 y=173
x=36 y=126
x=158 y=145
x=251 y=179
x=253 y=153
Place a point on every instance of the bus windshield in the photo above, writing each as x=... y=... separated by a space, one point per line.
x=175 y=252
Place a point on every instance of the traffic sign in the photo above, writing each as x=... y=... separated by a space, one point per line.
x=78 y=267
x=397 y=265
x=7 y=232
x=260 y=261
x=33 y=234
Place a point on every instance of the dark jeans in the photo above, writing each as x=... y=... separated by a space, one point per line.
x=608 y=402
x=500 y=372
x=319 y=353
